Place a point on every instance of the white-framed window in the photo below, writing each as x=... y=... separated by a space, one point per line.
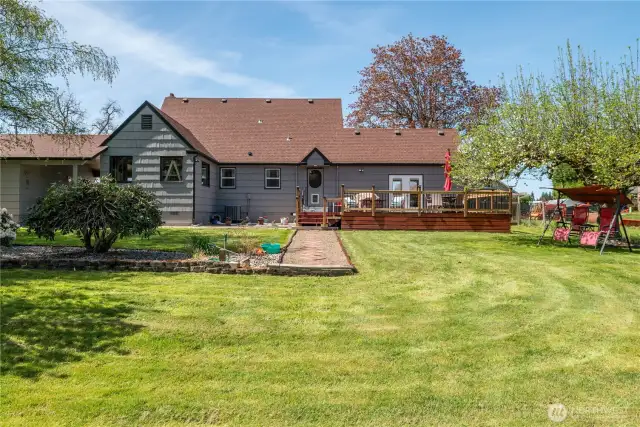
x=315 y=199
x=227 y=177
x=272 y=178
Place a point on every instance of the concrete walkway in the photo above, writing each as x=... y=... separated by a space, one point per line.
x=315 y=247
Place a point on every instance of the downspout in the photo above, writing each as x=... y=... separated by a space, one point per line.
x=193 y=205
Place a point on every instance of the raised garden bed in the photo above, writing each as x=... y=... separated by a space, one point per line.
x=76 y=258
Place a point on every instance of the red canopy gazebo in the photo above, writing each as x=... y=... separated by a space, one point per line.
x=597 y=194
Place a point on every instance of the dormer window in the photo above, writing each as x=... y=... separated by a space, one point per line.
x=146 y=122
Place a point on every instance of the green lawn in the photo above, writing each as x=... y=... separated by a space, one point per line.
x=170 y=238
x=632 y=215
x=436 y=329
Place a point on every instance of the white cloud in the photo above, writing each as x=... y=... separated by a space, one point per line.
x=159 y=53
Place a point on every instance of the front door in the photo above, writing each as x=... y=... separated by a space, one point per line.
x=315 y=186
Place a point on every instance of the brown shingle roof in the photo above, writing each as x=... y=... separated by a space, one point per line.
x=286 y=130
x=186 y=133
x=53 y=147
x=384 y=146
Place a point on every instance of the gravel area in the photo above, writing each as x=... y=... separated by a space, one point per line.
x=315 y=247
x=256 y=260
x=66 y=252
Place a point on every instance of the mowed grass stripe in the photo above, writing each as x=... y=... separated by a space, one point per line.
x=436 y=329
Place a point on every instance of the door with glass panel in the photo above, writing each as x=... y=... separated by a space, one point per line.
x=404 y=183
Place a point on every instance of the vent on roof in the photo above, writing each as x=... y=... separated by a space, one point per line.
x=397 y=131
x=250 y=153
x=289 y=137
x=259 y=121
x=310 y=100
x=441 y=132
x=357 y=130
x=223 y=100
x=185 y=100
x=146 y=121
x=171 y=95
x=268 y=101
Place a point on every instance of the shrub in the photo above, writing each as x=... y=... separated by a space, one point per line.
x=99 y=213
x=244 y=242
x=8 y=228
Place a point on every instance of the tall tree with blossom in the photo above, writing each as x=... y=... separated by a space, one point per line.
x=579 y=126
x=419 y=82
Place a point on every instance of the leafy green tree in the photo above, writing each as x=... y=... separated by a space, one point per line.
x=33 y=54
x=582 y=125
x=546 y=196
x=99 y=213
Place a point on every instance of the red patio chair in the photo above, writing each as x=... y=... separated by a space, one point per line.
x=579 y=219
x=606 y=215
x=593 y=238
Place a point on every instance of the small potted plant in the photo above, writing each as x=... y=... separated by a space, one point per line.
x=227 y=221
x=261 y=220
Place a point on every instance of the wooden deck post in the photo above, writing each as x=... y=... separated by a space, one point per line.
x=324 y=212
x=465 y=201
x=491 y=204
x=511 y=202
x=342 y=201
x=373 y=200
x=419 y=199
x=297 y=205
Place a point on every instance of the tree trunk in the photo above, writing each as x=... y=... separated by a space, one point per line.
x=104 y=241
x=86 y=239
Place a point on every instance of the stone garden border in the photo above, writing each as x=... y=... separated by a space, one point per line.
x=189 y=266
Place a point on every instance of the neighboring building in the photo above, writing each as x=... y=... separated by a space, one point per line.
x=249 y=157
x=26 y=174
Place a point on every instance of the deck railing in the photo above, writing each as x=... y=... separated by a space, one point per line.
x=421 y=201
x=417 y=201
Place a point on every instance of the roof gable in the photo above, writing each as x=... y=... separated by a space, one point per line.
x=176 y=127
x=317 y=152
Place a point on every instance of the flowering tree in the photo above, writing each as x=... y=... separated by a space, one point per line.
x=8 y=228
x=581 y=126
x=418 y=82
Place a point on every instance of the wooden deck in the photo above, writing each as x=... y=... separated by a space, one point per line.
x=428 y=210
x=496 y=223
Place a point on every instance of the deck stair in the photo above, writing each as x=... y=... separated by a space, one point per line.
x=314 y=219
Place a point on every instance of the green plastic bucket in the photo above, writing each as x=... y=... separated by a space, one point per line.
x=271 y=248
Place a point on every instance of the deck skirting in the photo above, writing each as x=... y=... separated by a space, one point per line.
x=496 y=223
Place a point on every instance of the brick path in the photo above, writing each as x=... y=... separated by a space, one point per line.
x=315 y=247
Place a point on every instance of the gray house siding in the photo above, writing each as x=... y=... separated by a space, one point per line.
x=146 y=147
x=351 y=177
x=10 y=188
x=205 y=196
x=24 y=181
x=251 y=195
x=315 y=159
x=378 y=175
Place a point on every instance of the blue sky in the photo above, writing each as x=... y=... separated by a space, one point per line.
x=308 y=49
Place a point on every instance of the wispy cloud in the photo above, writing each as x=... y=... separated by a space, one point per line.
x=354 y=23
x=93 y=24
